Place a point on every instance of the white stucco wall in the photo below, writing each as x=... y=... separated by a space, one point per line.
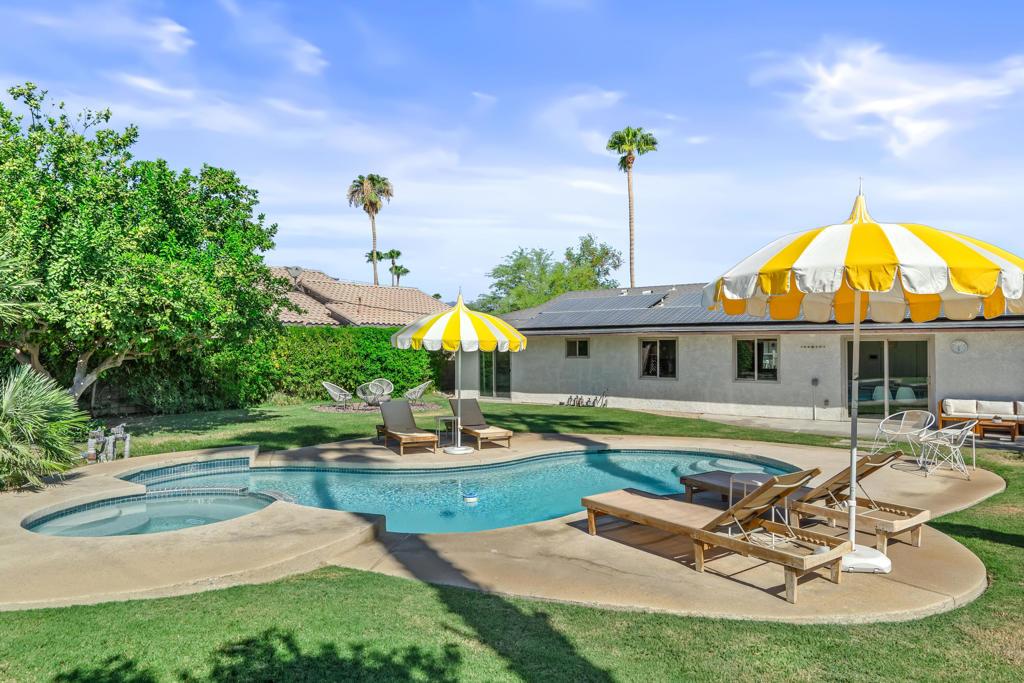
x=993 y=367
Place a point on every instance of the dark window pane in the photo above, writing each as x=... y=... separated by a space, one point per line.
x=583 y=348
x=667 y=358
x=570 y=348
x=768 y=359
x=649 y=359
x=744 y=359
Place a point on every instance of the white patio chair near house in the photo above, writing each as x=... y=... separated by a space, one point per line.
x=415 y=395
x=384 y=386
x=337 y=394
x=907 y=427
x=372 y=393
x=944 y=448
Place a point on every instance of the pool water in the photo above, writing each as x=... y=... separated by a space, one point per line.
x=425 y=501
x=147 y=514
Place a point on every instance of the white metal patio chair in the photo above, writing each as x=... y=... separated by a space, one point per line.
x=372 y=393
x=337 y=394
x=908 y=427
x=415 y=395
x=384 y=385
x=944 y=447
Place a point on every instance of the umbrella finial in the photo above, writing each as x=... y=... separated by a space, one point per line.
x=860 y=186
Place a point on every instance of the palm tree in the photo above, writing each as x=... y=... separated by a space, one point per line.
x=393 y=255
x=369 y=192
x=631 y=143
x=397 y=272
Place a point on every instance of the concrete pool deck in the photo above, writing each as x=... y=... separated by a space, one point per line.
x=625 y=567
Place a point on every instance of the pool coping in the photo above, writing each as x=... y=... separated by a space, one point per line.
x=342 y=537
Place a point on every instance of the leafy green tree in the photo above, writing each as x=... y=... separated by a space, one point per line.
x=631 y=143
x=132 y=258
x=369 y=192
x=393 y=255
x=529 y=277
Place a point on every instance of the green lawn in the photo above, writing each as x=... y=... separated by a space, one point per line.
x=338 y=624
x=276 y=427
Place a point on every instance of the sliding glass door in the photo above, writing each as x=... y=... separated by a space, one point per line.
x=893 y=376
x=496 y=374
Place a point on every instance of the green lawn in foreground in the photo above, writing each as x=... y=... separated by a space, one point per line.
x=337 y=624
x=276 y=427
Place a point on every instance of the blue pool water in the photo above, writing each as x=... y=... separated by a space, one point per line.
x=424 y=501
x=149 y=513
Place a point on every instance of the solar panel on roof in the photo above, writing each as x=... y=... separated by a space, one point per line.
x=605 y=303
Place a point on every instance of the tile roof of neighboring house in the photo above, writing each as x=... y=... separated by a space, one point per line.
x=328 y=301
x=674 y=308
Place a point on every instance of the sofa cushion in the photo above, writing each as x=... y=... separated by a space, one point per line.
x=959 y=406
x=1020 y=408
x=990 y=408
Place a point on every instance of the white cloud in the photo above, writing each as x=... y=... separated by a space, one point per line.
x=484 y=100
x=115 y=24
x=152 y=85
x=565 y=116
x=289 y=107
x=260 y=26
x=697 y=139
x=862 y=90
x=594 y=186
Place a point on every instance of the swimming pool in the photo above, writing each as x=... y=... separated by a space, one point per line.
x=469 y=498
x=150 y=512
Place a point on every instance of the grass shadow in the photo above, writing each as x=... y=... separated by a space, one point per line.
x=980 y=533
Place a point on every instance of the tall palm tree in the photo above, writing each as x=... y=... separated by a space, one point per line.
x=369 y=192
x=631 y=143
x=397 y=272
x=393 y=255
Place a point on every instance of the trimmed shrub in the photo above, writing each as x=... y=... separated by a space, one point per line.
x=347 y=356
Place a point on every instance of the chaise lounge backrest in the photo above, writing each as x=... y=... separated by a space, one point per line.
x=398 y=416
x=747 y=512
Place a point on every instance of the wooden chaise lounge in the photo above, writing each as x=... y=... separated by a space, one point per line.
x=474 y=424
x=741 y=529
x=400 y=426
x=828 y=500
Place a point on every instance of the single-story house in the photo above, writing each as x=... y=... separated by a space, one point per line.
x=326 y=301
x=659 y=348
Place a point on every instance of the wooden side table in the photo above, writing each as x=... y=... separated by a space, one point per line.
x=1009 y=427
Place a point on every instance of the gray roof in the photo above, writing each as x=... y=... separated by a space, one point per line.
x=673 y=308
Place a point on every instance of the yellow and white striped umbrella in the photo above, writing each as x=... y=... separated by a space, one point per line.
x=460 y=329
x=896 y=266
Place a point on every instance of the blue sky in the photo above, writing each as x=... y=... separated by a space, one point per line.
x=490 y=118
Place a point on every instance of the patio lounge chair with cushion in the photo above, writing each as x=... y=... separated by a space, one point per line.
x=337 y=394
x=474 y=424
x=741 y=529
x=828 y=500
x=400 y=426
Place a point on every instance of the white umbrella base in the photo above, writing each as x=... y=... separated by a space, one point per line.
x=867 y=561
x=459 y=450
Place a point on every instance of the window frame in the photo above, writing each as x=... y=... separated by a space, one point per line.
x=657 y=345
x=576 y=341
x=736 y=359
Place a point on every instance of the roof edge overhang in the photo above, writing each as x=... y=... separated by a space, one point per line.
x=777 y=327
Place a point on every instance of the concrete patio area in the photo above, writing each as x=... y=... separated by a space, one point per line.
x=624 y=567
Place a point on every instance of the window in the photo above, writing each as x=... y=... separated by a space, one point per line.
x=658 y=358
x=757 y=360
x=577 y=348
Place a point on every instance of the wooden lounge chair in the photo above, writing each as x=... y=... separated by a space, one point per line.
x=474 y=424
x=400 y=426
x=741 y=529
x=828 y=500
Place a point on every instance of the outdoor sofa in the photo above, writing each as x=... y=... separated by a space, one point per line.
x=742 y=529
x=953 y=410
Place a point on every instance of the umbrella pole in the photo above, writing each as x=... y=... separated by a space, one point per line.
x=458 y=397
x=854 y=398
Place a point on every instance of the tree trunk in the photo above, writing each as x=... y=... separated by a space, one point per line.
x=373 y=250
x=394 y=276
x=84 y=377
x=632 y=237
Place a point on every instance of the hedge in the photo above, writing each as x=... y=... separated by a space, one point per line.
x=346 y=356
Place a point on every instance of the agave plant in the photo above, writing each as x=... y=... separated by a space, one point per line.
x=39 y=422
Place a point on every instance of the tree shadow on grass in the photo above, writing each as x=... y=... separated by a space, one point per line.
x=971 y=531
x=193 y=423
x=275 y=655
x=529 y=644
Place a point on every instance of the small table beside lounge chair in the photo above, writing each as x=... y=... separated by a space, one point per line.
x=474 y=424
